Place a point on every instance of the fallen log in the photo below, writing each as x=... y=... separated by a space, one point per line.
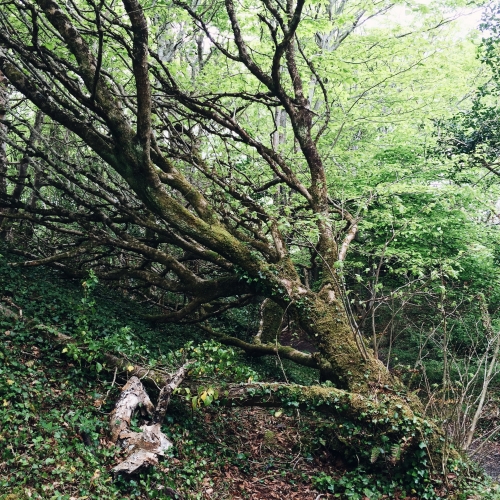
x=142 y=448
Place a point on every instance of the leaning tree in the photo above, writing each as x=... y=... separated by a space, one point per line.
x=182 y=152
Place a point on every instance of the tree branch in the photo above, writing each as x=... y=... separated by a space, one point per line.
x=140 y=66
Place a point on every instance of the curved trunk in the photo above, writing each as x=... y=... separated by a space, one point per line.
x=345 y=360
x=342 y=355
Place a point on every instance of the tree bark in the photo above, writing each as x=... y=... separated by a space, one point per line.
x=4 y=99
x=271 y=318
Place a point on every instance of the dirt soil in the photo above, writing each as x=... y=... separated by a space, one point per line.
x=276 y=464
x=489 y=458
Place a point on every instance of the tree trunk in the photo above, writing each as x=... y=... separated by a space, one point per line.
x=23 y=166
x=342 y=355
x=3 y=132
x=271 y=319
x=22 y=175
x=347 y=362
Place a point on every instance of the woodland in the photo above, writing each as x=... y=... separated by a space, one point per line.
x=249 y=249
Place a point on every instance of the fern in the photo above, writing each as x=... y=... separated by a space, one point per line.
x=396 y=453
x=375 y=454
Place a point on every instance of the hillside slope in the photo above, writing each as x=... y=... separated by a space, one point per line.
x=55 y=404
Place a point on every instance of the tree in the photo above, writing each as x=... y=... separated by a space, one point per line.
x=174 y=184
x=470 y=138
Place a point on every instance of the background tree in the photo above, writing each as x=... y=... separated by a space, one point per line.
x=3 y=146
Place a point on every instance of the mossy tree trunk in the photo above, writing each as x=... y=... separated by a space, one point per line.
x=271 y=320
x=342 y=356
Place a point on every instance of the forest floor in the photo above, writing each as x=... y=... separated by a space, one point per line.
x=54 y=413
x=489 y=458
x=54 y=440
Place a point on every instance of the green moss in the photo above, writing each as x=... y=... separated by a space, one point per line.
x=272 y=318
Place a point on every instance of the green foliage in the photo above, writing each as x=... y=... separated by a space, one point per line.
x=359 y=484
x=213 y=360
x=47 y=413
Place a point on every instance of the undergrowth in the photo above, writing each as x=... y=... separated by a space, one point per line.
x=55 y=402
